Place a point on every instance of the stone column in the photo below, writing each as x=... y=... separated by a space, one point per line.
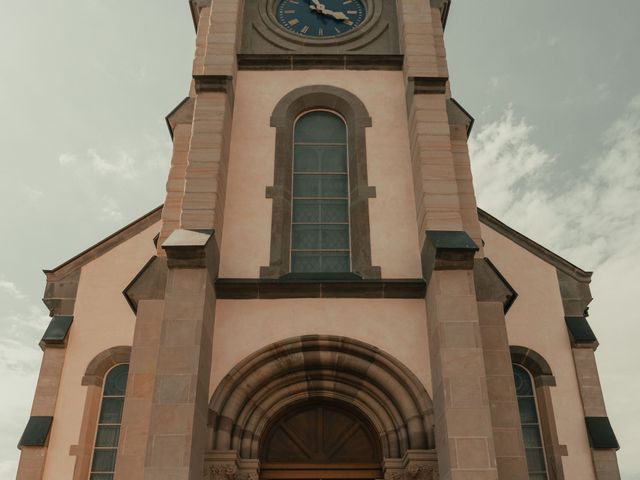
x=576 y=296
x=464 y=434
x=59 y=296
x=494 y=295
x=134 y=429
x=177 y=436
x=505 y=417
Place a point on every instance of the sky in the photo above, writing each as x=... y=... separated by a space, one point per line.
x=554 y=88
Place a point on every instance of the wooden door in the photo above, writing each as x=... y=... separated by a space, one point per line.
x=320 y=441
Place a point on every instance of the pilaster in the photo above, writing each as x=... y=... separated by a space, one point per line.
x=177 y=435
x=494 y=296
x=134 y=430
x=422 y=39
x=576 y=296
x=206 y=170
x=434 y=173
x=60 y=296
x=464 y=433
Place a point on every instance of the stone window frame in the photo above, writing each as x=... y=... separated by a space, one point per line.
x=543 y=380
x=93 y=379
x=357 y=118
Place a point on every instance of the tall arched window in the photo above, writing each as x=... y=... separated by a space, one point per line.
x=529 y=420
x=105 y=449
x=320 y=200
x=322 y=129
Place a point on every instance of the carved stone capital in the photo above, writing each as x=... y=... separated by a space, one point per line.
x=422 y=471
x=223 y=471
x=227 y=465
x=415 y=465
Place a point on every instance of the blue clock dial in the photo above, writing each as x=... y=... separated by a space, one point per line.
x=320 y=18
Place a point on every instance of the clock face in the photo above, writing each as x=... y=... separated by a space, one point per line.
x=320 y=18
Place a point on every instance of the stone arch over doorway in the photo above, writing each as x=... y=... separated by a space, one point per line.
x=321 y=368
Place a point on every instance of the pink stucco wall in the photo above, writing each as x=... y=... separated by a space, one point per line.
x=102 y=319
x=247 y=231
x=396 y=326
x=536 y=321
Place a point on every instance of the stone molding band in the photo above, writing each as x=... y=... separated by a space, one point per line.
x=250 y=288
x=308 y=62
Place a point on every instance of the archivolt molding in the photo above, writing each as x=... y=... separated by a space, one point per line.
x=101 y=363
x=535 y=364
x=316 y=367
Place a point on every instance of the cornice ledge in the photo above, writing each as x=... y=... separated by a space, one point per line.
x=57 y=332
x=428 y=85
x=148 y=284
x=459 y=116
x=214 y=83
x=447 y=250
x=196 y=7
x=182 y=114
x=192 y=249
x=444 y=6
x=491 y=286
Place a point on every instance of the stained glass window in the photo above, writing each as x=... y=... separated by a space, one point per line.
x=320 y=239
x=534 y=449
x=103 y=464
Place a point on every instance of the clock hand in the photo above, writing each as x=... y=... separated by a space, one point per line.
x=317 y=5
x=330 y=13
x=336 y=15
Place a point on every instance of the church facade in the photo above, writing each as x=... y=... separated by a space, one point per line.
x=319 y=296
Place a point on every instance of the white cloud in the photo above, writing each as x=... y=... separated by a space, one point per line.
x=503 y=158
x=123 y=165
x=495 y=83
x=11 y=289
x=603 y=92
x=595 y=213
x=592 y=217
x=110 y=210
x=65 y=159
x=32 y=193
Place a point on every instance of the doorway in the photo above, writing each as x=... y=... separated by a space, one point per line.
x=320 y=441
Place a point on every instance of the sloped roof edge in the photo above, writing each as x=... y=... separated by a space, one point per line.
x=105 y=245
x=535 y=248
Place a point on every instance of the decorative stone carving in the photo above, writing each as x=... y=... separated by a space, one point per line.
x=421 y=471
x=395 y=476
x=227 y=465
x=223 y=472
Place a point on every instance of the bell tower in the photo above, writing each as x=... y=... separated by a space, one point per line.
x=380 y=68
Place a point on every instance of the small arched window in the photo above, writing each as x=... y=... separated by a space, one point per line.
x=105 y=449
x=530 y=423
x=320 y=200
